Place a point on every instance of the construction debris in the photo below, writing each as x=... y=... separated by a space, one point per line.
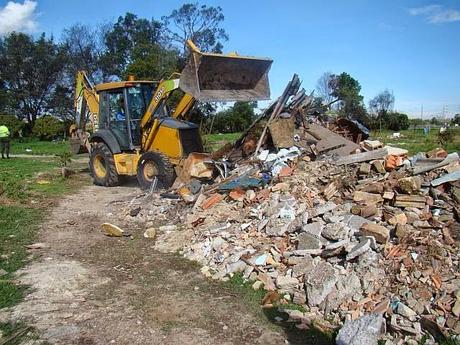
x=112 y=230
x=354 y=237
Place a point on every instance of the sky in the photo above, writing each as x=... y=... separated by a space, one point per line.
x=411 y=48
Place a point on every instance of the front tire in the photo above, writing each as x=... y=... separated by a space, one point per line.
x=102 y=166
x=155 y=164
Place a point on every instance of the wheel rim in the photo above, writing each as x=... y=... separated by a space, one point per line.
x=99 y=166
x=149 y=171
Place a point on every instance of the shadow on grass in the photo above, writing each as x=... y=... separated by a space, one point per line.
x=276 y=316
x=294 y=335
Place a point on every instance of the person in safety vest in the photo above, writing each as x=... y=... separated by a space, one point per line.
x=5 y=141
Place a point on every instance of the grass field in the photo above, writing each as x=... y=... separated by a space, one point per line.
x=213 y=142
x=416 y=141
x=36 y=147
x=27 y=187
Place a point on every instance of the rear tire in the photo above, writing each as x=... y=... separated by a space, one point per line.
x=102 y=166
x=151 y=164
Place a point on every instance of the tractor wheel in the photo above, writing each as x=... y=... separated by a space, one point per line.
x=102 y=166
x=155 y=164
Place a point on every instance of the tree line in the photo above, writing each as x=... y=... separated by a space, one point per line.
x=38 y=73
x=342 y=93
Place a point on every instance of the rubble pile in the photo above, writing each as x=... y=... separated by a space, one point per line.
x=341 y=240
x=318 y=216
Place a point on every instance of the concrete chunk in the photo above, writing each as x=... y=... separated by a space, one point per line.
x=364 y=330
x=380 y=232
x=308 y=241
x=320 y=282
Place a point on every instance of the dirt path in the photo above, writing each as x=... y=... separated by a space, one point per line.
x=87 y=288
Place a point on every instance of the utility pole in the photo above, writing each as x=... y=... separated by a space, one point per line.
x=421 y=117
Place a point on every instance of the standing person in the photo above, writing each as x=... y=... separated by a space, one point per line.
x=5 y=141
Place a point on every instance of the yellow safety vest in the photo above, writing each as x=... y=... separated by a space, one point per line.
x=4 y=132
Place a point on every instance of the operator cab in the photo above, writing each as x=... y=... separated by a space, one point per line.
x=122 y=106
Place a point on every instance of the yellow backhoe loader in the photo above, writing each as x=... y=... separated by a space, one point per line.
x=134 y=133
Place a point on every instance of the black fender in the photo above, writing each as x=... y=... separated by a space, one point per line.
x=107 y=137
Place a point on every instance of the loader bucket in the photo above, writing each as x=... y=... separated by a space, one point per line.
x=217 y=77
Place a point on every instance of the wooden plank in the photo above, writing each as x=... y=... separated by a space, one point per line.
x=409 y=204
x=330 y=142
x=417 y=201
x=362 y=157
x=282 y=132
x=410 y=198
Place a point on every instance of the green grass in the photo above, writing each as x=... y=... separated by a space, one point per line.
x=15 y=332
x=20 y=179
x=213 y=142
x=18 y=225
x=416 y=141
x=19 y=146
x=25 y=186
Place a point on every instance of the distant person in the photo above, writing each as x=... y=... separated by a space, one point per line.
x=5 y=141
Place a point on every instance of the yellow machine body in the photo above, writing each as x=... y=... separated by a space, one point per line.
x=143 y=122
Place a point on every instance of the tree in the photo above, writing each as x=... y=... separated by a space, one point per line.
x=380 y=105
x=235 y=119
x=128 y=34
x=151 y=62
x=324 y=87
x=30 y=71
x=13 y=124
x=435 y=121
x=456 y=119
x=61 y=104
x=201 y=24
x=47 y=128
x=397 y=121
x=84 y=46
x=3 y=98
x=346 y=90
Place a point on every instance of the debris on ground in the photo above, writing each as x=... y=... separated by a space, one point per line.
x=112 y=230
x=357 y=233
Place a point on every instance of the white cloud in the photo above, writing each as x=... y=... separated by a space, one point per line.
x=445 y=16
x=424 y=10
x=436 y=14
x=18 y=17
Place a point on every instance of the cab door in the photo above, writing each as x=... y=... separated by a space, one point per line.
x=115 y=117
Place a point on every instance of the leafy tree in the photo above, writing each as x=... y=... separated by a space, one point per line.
x=346 y=90
x=13 y=124
x=61 y=103
x=151 y=62
x=456 y=119
x=201 y=24
x=128 y=34
x=47 y=128
x=397 y=121
x=30 y=71
x=235 y=119
x=435 y=121
x=3 y=98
